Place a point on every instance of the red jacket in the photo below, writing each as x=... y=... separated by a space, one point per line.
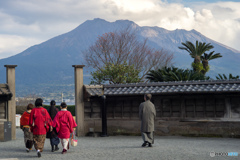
x=24 y=119
x=39 y=121
x=64 y=124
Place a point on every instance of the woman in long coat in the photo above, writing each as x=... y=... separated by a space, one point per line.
x=40 y=122
x=52 y=135
x=64 y=124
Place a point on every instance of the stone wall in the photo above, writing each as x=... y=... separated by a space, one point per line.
x=200 y=128
x=166 y=128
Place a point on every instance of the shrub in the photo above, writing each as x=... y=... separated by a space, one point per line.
x=21 y=109
x=70 y=108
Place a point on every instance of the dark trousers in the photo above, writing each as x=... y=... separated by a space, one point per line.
x=28 y=138
x=54 y=141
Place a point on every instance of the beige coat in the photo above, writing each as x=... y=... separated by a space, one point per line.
x=147 y=114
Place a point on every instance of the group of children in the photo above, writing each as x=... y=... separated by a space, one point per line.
x=38 y=123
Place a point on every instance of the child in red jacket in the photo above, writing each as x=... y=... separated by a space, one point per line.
x=28 y=135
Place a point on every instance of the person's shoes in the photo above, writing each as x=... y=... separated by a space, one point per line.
x=144 y=144
x=52 y=148
x=64 y=151
x=56 y=148
x=38 y=154
x=149 y=145
x=27 y=150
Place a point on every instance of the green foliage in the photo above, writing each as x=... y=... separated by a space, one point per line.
x=198 y=67
x=205 y=69
x=21 y=109
x=116 y=74
x=48 y=106
x=197 y=52
x=224 y=77
x=210 y=56
x=70 y=108
x=174 y=74
x=207 y=57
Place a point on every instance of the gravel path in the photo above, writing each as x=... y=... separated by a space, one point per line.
x=128 y=148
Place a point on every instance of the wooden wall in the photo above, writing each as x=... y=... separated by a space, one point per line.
x=200 y=106
x=176 y=115
x=3 y=109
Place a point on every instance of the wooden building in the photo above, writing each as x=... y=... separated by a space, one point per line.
x=201 y=108
x=8 y=106
x=5 y=96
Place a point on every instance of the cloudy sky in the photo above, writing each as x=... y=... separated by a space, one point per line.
x=24 y=23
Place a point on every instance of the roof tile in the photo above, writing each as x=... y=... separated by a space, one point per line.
x=5 y=91
x=166 y=87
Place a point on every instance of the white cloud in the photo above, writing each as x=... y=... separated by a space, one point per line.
x=12 y=44
x=219 y=21
x=24 y=22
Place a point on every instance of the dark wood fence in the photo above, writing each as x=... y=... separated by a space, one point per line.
x=180 y=107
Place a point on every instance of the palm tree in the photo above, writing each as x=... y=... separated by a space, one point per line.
x=196 y=51
x=224 y=77
x=207 y=57
x=160 y=75
x=174 y=74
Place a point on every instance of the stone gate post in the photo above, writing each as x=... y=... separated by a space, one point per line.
x=79 y=103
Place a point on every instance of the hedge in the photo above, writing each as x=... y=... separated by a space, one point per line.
x=21 y=109
x=70 y=108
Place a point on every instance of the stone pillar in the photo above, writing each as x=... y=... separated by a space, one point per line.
x=79 y=104
x=11 y=103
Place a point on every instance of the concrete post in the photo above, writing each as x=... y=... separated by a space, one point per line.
x=10 y=71
x=79 y=104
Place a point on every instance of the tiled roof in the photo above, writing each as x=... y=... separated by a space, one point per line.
x=208 y=86
x=94 y=90
x=4 y=91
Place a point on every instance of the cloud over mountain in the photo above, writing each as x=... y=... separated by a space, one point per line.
x=33 y=22
x=51 y=62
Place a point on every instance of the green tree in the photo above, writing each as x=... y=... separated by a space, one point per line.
x=174 y=74
x=224 y=77
x=115 y=74
x=196 y=51
x=207 y=57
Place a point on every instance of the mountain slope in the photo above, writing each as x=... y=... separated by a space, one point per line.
x=50 y=63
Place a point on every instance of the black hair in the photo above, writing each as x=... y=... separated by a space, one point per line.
x=52 y=109
x=38 y=102
x=63 y=105
x=52 y=103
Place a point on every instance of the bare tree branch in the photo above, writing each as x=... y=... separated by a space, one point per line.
x=123 y=46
